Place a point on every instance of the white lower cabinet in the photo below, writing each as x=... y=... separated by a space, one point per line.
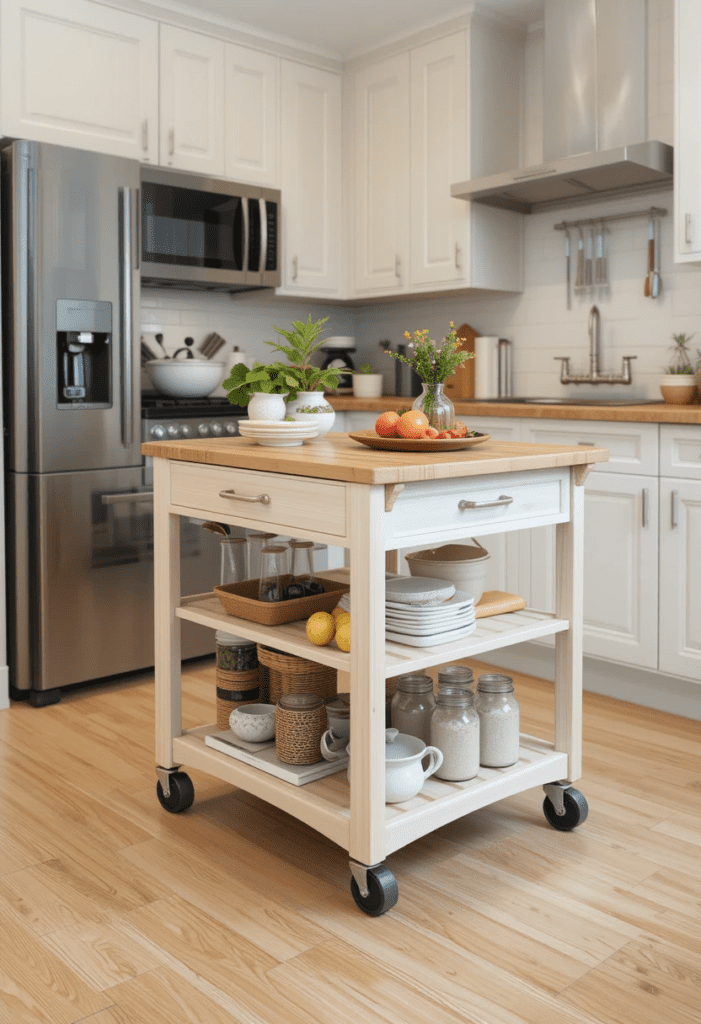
x=80 y=74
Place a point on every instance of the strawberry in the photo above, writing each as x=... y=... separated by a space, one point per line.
x=431 y=432
x=444 y=433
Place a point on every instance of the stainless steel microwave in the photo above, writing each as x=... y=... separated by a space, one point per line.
x=199 y=232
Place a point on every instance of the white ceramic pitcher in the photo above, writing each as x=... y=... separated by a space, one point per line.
x=404 y=770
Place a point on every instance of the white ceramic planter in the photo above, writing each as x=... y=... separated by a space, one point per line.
x=267 y=407
x=678 y=388
x=307 y=399
x=367 y=385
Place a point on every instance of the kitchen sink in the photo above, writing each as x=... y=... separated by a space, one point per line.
x=568 y=401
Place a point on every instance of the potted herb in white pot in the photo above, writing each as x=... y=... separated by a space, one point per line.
x=264 y=389
x=678 y=384
x=367 y=383
x=306 y=401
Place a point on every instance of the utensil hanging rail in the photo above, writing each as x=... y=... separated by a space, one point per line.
x=568 y=225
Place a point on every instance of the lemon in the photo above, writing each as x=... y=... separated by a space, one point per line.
x=321 y=628
x=343 y=635
x=343 y=617
x=338 y=611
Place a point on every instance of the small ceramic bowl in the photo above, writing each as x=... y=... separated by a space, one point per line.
x=253 y=722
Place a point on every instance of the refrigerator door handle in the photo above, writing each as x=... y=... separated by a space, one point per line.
x=130 y=497
x=125 y=313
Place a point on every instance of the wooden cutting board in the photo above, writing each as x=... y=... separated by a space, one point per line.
x=462 y=384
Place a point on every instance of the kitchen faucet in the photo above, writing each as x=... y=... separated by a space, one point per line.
x=595 y=376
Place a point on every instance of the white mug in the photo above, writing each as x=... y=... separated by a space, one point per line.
x=332 y=746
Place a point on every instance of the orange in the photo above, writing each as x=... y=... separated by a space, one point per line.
x=386 y=424
x=412 y=424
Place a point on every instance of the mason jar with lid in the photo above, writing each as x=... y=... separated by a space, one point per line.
x=499 y=720
x=455 y=675
x=412 y=706
x=455 y=730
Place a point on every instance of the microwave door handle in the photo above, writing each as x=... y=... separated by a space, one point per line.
x=125 y=311
x=244 y=207
x=263 y=234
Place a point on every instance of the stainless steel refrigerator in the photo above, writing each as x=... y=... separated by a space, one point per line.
x=79 y=591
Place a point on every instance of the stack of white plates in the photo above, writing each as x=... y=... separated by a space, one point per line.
x=277 y=433
x=423 y=612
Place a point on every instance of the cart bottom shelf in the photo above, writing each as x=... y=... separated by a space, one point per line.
x=325 y=803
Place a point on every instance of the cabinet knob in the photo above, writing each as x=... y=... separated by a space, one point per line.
x=398 y=266
x=144 y=135
x=687 y=229
x=171 y=143
x=294 y=268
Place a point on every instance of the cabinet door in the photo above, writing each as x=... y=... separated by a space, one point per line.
x=382 y=136
x=438 y=158
x=310 y=179
x=80 y=74
x=192 y=101
x=687 y=132
x=680 y=579
x=251 y=115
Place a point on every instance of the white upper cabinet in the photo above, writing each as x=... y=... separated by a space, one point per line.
x=382 y=155
x=438 y=158
x=251 y=116
x=687 y=132
x=80 y=74
x=310 y=180
x=192 y=101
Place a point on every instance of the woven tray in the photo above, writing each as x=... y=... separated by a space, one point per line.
x=241 y=599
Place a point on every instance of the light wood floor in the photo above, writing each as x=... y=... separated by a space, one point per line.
x=113 y=911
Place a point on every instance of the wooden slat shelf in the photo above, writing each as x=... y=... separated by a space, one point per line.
x=325 y=803
x=491 y=633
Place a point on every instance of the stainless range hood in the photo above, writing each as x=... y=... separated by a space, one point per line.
x=595 y=115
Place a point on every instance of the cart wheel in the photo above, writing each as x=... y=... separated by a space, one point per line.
x=383 y=894
x=576 y=810
x=182 y=793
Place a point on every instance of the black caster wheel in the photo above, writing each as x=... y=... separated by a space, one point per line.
x=383 y=892
x=576 y=810
x=182 y=793
x=42 y=698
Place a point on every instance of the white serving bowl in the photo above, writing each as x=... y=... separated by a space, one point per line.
x=463 y=565
x=253 y=722
x=185 y=378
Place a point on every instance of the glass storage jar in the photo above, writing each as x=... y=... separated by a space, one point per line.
x=455 y=730
x=455 y=675
x=412 y=705
x=499 y=720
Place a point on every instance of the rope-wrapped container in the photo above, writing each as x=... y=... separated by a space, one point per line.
x=290 y=674
x=300 y=722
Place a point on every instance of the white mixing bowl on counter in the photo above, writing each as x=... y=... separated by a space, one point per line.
x=185 y=378
x=461 y=564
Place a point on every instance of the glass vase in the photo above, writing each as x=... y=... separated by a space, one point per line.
x=437 y=407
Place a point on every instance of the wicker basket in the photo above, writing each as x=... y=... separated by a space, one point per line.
x=290 y=674
x=298 y=732
x=233 y=690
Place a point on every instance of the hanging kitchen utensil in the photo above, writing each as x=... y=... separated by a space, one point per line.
x=598 y=250
x=567 y=269
x=604 y=259
x=211 y=345
x=656 y=280
x=579 y=279
x=650 y=256
x=588 y=260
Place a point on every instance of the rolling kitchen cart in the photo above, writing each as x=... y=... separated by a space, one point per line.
x=335 y=491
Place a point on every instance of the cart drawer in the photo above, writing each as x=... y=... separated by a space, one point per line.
x=294 y=503
x=502 y=502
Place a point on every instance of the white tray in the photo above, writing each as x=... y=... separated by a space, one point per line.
x=263 y=756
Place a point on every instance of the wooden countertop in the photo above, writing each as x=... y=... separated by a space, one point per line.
x=337 y=457
x=657 y=413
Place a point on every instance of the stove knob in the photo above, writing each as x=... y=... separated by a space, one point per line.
x=203 y=430
x=173 y=431
x=158 y=432
x=217 y=429
x=186 y=431
x=231 y=428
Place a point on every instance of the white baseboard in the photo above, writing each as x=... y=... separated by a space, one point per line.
x=4 y=687
x=634 y=685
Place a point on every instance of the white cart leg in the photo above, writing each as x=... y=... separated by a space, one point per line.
x=569 y=604
x=367 y=673
x=166 y=565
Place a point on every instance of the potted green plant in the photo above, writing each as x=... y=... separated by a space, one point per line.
x=263 y=389
x=678 y=384
x=367 y=382
x=306 y=400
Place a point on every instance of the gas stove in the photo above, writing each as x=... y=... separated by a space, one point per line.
x=164 y=418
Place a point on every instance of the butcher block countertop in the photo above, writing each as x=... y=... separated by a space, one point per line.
x=337 y=457
x=655 y=413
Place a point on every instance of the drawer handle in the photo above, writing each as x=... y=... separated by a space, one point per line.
x=264 y=499
x=503 y=499
x=589 y=444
